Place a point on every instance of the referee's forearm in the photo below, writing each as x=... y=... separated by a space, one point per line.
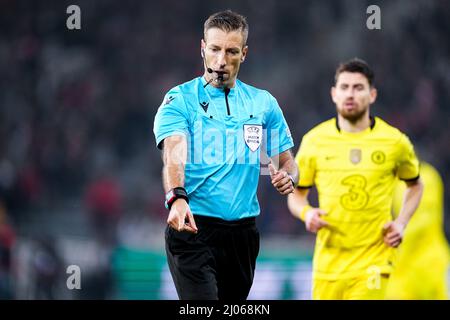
x=174 y=158
x=173 y=176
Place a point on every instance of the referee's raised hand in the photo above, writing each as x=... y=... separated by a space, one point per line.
x=281 y=180
x=181 y=218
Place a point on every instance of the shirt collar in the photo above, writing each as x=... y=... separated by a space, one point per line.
x=213 y=91
x=372 y=123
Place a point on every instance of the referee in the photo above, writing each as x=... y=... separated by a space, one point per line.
x=212 y=130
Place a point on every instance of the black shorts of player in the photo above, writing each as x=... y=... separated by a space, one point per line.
x=217 y=263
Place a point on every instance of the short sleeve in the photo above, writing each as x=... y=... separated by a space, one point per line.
x=171 y=118
x=306 y=162
x=279 y=138
x=408 y=164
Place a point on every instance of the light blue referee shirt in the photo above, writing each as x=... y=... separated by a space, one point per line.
x=226 y=131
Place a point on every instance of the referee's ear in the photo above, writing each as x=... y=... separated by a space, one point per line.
x=202 y=47
x=244 y=53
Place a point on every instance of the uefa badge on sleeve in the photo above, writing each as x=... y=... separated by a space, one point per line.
x=253 y=136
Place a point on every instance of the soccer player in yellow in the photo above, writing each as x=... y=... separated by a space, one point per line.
x=423 y=258
x=354 y=160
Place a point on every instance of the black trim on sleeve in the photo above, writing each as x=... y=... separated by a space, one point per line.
x=411 y=180
x=304 y=187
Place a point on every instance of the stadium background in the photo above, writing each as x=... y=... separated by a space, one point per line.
x=79 y=172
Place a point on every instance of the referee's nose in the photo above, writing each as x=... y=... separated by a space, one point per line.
x=221 y=60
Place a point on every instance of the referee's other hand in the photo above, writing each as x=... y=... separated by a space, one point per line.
x=181 y=218
x=281 y=180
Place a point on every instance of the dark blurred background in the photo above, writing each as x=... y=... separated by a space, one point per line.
x=79 y=171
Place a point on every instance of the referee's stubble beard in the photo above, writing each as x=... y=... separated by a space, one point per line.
x=223 y=53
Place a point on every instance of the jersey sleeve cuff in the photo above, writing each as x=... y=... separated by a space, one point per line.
x=283 y=148
x=160 y=139
x=302 y=186
x=412 y=179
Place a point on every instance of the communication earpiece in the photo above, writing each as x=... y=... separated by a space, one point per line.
x=203 y=53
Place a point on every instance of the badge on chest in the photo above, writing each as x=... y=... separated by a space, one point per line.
x=253 y=136
x=355 y=156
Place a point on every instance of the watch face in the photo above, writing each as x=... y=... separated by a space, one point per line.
x=169 y=195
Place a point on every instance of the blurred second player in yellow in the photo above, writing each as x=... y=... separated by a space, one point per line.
x=423 y=257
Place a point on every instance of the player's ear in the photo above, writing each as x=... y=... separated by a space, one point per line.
x=333 y=93
x=373 y=94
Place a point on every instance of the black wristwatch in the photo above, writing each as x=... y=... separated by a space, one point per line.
x=174 y=194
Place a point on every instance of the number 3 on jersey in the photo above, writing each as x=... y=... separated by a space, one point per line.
x=356 y=198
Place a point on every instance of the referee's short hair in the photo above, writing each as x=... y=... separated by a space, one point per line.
x=227 y=21
x=356 y=65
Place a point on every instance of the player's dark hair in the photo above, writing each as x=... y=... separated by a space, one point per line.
x=227 y=21
x=356 y=65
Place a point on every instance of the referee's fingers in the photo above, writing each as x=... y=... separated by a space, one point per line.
x=287 y=185
x=180 y=226
x=175 y=226
x=272 y=170
x=172 y=221
x=191 y=222
x=276 y=179
x=288 y=191
x=179 y=219
x=189 y=229
x=280 y=179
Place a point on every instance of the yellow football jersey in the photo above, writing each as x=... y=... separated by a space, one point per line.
x=423 y=257
x=354 y=174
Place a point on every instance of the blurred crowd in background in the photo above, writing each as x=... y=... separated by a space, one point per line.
x=77 y=154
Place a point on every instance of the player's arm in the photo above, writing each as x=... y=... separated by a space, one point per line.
x=300 y=208
x=407 y=170
x=285 y=178
x=298 y=201
x=174 y=159
x=411 y=200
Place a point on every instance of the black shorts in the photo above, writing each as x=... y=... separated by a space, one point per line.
x=216 y=263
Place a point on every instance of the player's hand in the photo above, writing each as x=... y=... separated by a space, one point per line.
x=281 y=180
x=313 y=220
x=393 y=233
x=181 y=218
